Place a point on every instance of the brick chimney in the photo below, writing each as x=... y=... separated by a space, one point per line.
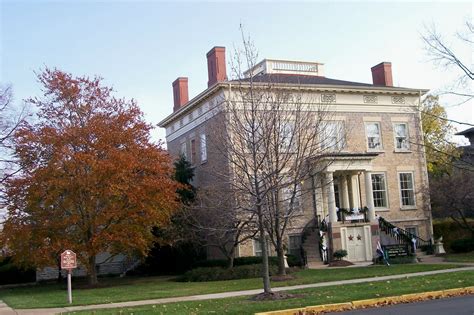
x=180 y=92
x=216 y=67
x=382 y=74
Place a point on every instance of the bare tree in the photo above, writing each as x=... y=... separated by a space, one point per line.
x=267 y=134
x=443 y=55
x=10 y=120
x=452 y=196
x=217 y=222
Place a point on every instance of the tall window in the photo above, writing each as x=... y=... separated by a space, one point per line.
x=193 y=151
x=407 y=191
x=183 y=150
x=294 y=245
x=287 y=194
x=257 y=247
x=203 y=144
x=401 y=136
x=333 y=137
x=379 y=190
x=374 y=139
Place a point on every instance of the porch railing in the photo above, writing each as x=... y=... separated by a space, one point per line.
x=403 y=236
x=344 y=215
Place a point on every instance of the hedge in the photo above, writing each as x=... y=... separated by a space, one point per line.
x=219 y=273
x=463 y=245
x=292 y=260
x=10 y=274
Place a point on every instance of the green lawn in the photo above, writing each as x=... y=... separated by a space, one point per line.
x=130 y=289
x=314 y=296
x=464 y=257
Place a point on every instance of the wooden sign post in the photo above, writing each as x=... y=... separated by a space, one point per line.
x=69 y=262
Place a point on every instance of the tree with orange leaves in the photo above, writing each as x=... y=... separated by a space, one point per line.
x=92 y=180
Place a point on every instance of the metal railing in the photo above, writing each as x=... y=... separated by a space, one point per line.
x=403 y=236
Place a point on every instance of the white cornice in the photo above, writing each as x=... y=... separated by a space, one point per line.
x=300 y=87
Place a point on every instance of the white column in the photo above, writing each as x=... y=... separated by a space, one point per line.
x=369 y=200
x=331 y=197
x=355 y=191
x=344 y=192
x=319 y=196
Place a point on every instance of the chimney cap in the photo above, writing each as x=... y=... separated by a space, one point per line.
x=215 y=48
x=383 y=63
x=180 y=79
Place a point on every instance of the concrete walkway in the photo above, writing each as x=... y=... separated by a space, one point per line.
x=48 y=311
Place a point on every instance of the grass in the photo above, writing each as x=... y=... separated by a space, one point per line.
x=314 y=296
x=462 y=258
x=132 y=289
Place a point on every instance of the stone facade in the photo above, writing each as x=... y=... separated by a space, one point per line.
x=398 y=160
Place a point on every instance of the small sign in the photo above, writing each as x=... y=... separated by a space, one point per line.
x=398 y=250
x=68 y=260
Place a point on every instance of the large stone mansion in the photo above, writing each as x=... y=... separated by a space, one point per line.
x=380 y=168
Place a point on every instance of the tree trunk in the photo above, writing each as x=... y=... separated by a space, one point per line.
x=281 y=260
x=60 y=275
x=230 y=258
x=265 y=269
x=92 y=272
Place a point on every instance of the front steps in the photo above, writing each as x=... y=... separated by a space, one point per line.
x=311 y=248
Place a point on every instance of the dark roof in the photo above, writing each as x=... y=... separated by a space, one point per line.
x=302 y=79
x=466 y=132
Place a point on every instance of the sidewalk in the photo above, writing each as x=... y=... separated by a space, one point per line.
x=48 y=311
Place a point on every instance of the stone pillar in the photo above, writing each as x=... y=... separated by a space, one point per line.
x=355 y=191
x=344 y=192
x=319 y=196
x=331 y=197
x=369 y=200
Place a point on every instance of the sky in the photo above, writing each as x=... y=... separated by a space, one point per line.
x=141 y=47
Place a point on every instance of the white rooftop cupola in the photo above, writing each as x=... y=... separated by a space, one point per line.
x=276 y=66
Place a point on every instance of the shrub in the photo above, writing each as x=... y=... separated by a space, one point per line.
x=463 y=245
x=339 y=254
x=292 y=260
x=219 y=273
x=10 y=274
x=450 y=231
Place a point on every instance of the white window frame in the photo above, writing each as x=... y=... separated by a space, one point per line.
x=286 y=193
x=259 y=253
x=395 y=136
x=379 y=125
x=415 y=227
x=193 y=156
x=203 y=145
x=335 y=131
x=289 y=243
x=387 y=207
x=183 y=150
x=402 y=206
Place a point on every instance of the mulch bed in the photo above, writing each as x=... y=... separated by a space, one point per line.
x=274 y=296
x=340 y=263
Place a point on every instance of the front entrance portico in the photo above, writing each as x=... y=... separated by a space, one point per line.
x=350 y=217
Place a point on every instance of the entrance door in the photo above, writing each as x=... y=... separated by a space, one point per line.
x=355 y=244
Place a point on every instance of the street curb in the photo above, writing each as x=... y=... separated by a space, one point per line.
x=405 y=298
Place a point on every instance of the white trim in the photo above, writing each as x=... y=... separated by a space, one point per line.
x=407 y=136
x=371 y=119
x=399 y=119
x=409 y=207
x=387 y=201
x=381 y=145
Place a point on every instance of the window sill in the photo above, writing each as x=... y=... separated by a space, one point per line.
x=408 y=208
x=402 y=151
x=375 y=151
x=381 y=209
x=204 y=162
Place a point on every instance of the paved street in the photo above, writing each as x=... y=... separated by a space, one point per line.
x=462 y=305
